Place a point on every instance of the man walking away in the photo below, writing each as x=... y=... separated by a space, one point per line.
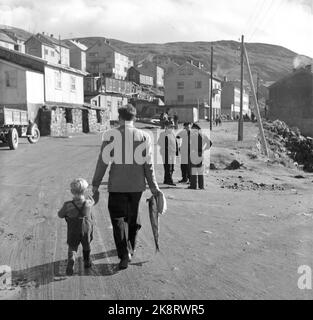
x=127 y=180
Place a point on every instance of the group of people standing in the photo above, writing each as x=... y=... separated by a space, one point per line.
x=166 y=118
x=190 y=143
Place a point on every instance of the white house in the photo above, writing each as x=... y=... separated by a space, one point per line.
x=28 y=82
x=190 y=85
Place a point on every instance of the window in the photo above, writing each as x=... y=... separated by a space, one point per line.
x=73 y=83
x=198 y=85
x=109 y=65
x=58 y=82
x=11 y=79
x=180 y=85
x=52 y=53
x=68 y=115
x=46 y=52
x=180 y=98
x=109 y=104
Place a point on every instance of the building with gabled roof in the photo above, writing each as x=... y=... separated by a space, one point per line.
x=291 y=100
x=48 y=48
x=6 y=41
x=140 y=76
x=153 y=69
x=103 y=58
x=77 y=54
x=190 y=85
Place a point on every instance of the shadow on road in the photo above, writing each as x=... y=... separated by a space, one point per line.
x=55 y=271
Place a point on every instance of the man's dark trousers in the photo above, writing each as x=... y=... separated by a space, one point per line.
x=168 y=172
x=123 y=208
x=185 y=171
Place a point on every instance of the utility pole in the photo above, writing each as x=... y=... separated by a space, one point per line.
x=256 y=105
x=240 y=122
x=211 y=90
x=257 y=87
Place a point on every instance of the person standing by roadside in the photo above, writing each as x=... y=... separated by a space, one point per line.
x=169 y=149
x=127 y=179
x=184 y=135
x=199 y=143
x=175 y=118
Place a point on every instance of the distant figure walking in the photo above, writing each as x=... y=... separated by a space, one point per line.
x=199 y=143
x=78 y=215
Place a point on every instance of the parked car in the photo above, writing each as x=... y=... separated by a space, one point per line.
x=155 y=119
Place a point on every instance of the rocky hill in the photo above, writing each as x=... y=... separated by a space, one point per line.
x=270 y=61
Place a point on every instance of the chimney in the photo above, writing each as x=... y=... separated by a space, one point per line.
x=225 y=78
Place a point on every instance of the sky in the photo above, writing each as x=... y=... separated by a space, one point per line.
x=288 y=23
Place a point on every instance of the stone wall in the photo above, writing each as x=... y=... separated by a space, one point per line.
x=59 y=121
x=99 y=120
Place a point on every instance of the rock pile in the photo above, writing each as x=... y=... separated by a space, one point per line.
x=284 y=141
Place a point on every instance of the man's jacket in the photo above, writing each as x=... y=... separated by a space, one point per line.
x=122 y=147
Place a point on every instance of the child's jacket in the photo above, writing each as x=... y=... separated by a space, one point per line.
x=79 y=220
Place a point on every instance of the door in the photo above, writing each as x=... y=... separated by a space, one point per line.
x=85 y=121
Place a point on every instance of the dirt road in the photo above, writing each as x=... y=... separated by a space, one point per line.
x=244 y=237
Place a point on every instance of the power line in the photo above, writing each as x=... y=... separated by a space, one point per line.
x=269 y=17
x=258 y=13
x=261 y=20
x=253 y=15
x=274 y=11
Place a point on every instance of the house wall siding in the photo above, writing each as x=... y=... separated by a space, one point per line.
x=7 y=45
x=16 y=95
x=65 y=94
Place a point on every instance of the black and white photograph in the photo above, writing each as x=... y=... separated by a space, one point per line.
x=156 y=151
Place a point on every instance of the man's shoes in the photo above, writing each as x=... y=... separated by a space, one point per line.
x=87 y=261
x=171 y=183
x=70 y=267
x=191 y=188
x=124 y=263
x=183 y=181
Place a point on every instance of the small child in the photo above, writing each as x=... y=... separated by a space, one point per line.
x=78 y=215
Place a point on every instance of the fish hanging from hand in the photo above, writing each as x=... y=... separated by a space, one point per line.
x=157 y=205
